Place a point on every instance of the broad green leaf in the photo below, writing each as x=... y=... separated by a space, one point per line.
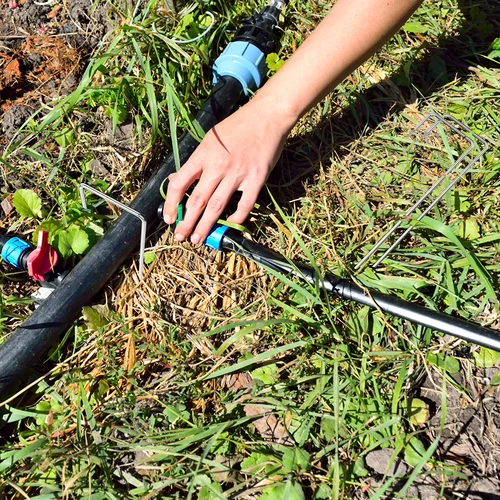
x=495 y=380
x=274 y=63
x=448 y=363
x=495 y=45
x=458 y=111
x=223 y=444
x=64 y=137
x=119 y=113
x=253 y=461
x=210 y=492
x=324 y=492
x=176 y=412
x=94 y=317
x=414 y=27
x=72 y=241
x=397 y=282
x=149 y=257
x=42 y=409
x=425 y=457
x=61 y=244
x=486 y=358
x=296 y=460
x=291 y=490
x=359 y=468
x=27 y=203
x=461 y=198
x=186 y=21
x=257 y=463
x=205 y=21
x=414 y=451
x=328 y=429
x=50 y=226
x=267 y=374
x=469 y=229
x=79 y=239
x=300 y=427
x=418 y=411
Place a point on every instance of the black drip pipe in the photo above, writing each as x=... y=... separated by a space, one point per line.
x=58 y=312
x=340 y=287
x=3 y=239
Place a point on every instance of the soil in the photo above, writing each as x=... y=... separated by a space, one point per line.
x=43 y=49
x=469 y=441
x=471 y=434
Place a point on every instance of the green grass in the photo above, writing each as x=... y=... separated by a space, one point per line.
x=172 y=416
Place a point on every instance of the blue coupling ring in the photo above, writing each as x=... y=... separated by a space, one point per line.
x=214 y=239
x=243 y=61
x=13 y=250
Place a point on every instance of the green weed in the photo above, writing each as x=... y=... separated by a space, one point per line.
x=288 y=403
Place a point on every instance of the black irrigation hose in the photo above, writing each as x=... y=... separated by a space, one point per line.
x=3 y=239
x=340 y=287
x=58 y=312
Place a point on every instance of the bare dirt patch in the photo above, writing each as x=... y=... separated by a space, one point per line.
x=43 y=49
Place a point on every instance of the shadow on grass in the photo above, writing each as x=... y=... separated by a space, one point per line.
x=423 y=77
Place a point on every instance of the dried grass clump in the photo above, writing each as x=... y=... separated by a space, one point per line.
x=194 y=288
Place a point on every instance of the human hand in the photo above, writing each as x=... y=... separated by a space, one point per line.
x=236 y=155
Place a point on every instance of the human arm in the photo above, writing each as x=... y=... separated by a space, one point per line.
x=239 y=153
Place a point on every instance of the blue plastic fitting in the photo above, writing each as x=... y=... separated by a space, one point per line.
x=13 y=250
x=243 y=61
x=214 y=239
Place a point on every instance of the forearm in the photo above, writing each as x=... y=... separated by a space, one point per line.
x=349 y=34
x=240 y=152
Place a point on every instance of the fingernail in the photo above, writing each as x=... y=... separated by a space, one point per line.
x=195 y=238
x=167 y=219
x=179 y=236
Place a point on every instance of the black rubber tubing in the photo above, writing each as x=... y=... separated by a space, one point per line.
x=3 y=240
x=56 y=314
x=340 y=287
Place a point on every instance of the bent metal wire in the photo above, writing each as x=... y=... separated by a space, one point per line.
x=144 y=225
x=473 y=139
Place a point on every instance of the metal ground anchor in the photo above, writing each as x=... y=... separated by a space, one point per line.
x=85 y=187
x=457 y=127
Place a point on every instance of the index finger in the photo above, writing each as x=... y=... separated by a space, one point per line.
x=178 y=184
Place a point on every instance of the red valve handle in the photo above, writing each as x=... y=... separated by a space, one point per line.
x=43 y=259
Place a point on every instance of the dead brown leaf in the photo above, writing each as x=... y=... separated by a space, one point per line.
x=269 y=427
x=237 y=381
x=12 y=70
x=6 y=206
x=53 y=13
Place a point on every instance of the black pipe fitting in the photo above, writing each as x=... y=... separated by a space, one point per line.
x=260 y=30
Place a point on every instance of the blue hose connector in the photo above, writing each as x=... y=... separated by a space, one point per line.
x=243 y=61
x=214 y=239
x=13 y=251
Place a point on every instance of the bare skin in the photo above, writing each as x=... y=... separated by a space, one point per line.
x=239 y=153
